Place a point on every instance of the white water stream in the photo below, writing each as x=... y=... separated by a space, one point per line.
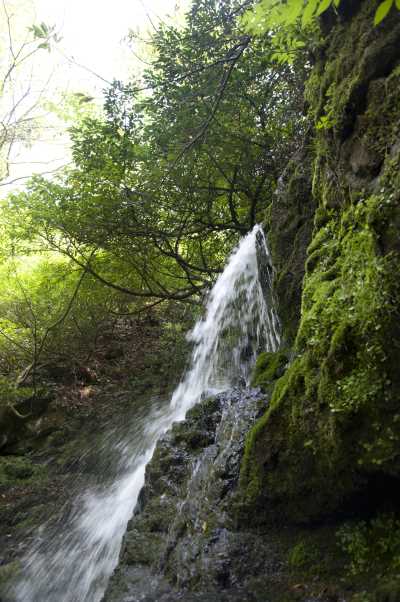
x=74 y=563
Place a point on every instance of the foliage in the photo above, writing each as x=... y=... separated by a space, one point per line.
x=51 y=312
x=165 y=183
x=73 y=108
x=383 y=10
x=292 y=22
x=10 y=394
x=372 y=546
x=45 y=34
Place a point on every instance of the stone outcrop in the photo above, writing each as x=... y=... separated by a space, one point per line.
x=182 y=542
x=329 y=441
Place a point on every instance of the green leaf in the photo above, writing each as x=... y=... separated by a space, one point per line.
x=37 y=32
x=325 y=4
x=309 y=11
x=398 y=4
x=324 y=123
x=293 y=11
x=382 y=11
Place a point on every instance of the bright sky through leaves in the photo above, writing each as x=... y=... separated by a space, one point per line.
x=92 y=33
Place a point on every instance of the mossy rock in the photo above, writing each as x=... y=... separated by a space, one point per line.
x=333 y=424
x=204 y=410
x=289 y=223
x=269 y=366
x=140 y=548
x=333 y=418
x=15 y=470
x=194 y=438
x=20 y=408
x=8 y=572
x=354 y=54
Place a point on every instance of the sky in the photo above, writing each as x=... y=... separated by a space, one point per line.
x=92 y=30
x=90 y=53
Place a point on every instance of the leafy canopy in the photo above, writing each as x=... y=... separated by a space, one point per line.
x=291 y=21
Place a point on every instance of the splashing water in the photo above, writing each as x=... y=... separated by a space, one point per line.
x=73 y=561
x=239 y=322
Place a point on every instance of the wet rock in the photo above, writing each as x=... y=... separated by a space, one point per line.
x=182 y=543
x=8 y=571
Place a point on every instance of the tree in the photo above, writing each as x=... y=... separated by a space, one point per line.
x=19 y=100
x=291 y=23
x=179 y=167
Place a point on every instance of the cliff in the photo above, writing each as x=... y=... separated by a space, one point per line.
x=332 y=430
x=328 y=446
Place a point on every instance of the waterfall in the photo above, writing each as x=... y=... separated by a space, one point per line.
x=73 y=560
x=238 y=323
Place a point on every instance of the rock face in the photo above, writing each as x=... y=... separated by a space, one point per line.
x=330 y=439
x=289 y=228
x=182 y=542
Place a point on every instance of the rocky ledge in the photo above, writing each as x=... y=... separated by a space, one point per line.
x=182 y=543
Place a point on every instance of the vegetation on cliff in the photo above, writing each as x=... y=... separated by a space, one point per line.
x=328 y=444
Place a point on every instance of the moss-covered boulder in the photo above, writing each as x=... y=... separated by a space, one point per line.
x=269 y=366
x=20 y=408
x=333 y=426
x=17 y=469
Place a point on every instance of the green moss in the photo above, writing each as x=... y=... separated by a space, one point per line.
x=288 y=221
x=269 y=367
x=204 y=409
x=9 y=571
x=333 y=419
x=337 y=86
x=15 y=470
x=299 y=555
x=372 y=546
x=321 y=218
x=251 y=476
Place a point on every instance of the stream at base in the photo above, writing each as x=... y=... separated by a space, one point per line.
x=72 y=559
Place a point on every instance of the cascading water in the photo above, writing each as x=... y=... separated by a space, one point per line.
x=72 y=563
x=237 y=324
